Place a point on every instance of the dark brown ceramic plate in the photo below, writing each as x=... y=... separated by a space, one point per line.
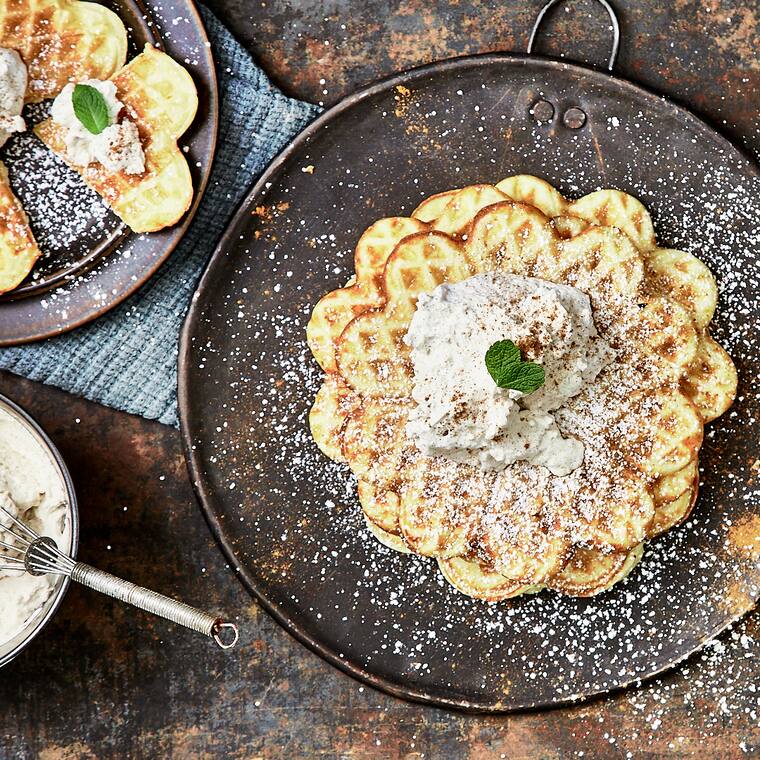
x=288 y=519
x=91 y=260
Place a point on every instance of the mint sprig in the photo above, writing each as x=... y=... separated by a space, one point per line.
x=505 y=365
x=90 y=108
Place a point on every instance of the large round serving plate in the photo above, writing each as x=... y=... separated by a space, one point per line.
x=288 y=519
x=90 y=260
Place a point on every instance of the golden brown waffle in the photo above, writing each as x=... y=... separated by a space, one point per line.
x=497 y=535
x=18 y=248
x=387 y=539
x=672 y=513
x=590 y=571
x=535 y=192
x=427 y=523
x=371 y=354
x=508 y=236
x=587 y=572
x=380 y=507
x=674 y=495
x=62 y=41
x=517 y=533
x=674 y=433
x=375 y=447
x=334 y=402
x=340 y=306
x=463 y=206
x=474 y=579
x=601 y=261
x=674 y=484
x=438 y=500
x=374 y=440
x=687 y=281
x=711 y=379
x=612 y=208
x=683 y=269
x=160 y=96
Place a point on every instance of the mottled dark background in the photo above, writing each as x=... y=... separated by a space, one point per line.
x=106 y=681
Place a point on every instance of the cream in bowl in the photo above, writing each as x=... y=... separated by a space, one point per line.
x=35 y=488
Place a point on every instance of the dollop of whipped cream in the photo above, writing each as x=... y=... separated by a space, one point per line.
x=117 y=147
x=13 y=80
x=461 y=413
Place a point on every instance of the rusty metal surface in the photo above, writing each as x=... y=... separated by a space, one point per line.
x=378 y=154
x=98 y=263
x=103 y=683
x=703 y=53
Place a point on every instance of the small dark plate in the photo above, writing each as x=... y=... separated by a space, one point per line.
x=91 y=261
x=288 y=519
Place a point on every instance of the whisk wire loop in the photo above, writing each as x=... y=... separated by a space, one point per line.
x=13 y=547
x=13 y=563
x=21 y=525
x=40 y=555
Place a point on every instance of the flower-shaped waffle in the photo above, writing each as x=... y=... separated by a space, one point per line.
x=500 y=534
x=59 y=41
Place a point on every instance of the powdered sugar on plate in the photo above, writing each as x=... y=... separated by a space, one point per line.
x=68 y=218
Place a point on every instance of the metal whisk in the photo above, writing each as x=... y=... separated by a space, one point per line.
x=40 y=555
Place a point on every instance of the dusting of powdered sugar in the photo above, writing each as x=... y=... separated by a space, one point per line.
x=90 y=260
x=292 y=515
x=61 y=208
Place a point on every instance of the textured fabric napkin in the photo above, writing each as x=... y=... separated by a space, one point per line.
x=128 y=358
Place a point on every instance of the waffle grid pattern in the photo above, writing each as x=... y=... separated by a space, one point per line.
x=653 y=304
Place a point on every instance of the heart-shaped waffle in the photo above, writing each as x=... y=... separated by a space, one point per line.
x=62 y=41
x=160 y=97
x=18 y=248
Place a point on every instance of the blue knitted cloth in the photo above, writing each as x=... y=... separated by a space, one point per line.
x=128 y=358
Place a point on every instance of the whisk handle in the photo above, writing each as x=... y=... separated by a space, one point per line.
x=183 y=614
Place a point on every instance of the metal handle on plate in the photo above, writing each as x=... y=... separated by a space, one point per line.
x=613 y=19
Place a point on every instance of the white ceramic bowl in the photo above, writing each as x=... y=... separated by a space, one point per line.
x=11 y=648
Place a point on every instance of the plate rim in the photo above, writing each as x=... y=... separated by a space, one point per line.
x=180 y=229
x=203 y=493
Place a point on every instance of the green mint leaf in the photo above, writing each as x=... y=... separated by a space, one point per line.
x=90 y=108
x=527 y=378
x=501 y=359
x=505 y=365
